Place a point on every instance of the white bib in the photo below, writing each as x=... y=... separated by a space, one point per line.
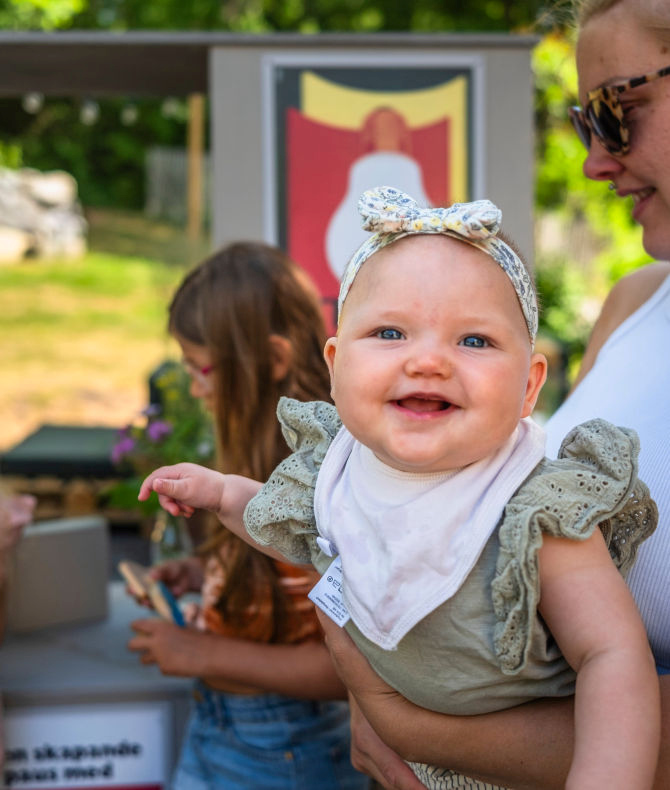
x=407 y=541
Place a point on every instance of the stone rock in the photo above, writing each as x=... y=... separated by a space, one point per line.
x=44 y=207
x=14 y=244
x=56 y=188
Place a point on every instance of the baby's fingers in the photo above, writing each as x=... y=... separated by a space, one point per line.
x=166 y=482
x=169 y=496
x=148 y=483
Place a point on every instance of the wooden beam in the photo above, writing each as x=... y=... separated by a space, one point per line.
x=195 y=143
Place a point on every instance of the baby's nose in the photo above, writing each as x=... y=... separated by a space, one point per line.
x=429 y=360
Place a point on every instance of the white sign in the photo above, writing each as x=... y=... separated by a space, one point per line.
x=121 y=745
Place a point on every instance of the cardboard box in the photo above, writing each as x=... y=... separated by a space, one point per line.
x=58 y=574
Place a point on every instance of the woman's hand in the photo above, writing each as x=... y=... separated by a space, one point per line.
x=369 y=753
x=371 y=756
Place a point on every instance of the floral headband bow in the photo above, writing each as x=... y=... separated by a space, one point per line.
x=393 y=215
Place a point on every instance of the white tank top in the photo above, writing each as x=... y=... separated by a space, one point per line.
x=629 y=385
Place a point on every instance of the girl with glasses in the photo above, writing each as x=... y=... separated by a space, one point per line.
x=623 y=59
x=268 y=708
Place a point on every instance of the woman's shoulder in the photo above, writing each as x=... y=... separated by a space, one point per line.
x=632 y=291
x=626 y=296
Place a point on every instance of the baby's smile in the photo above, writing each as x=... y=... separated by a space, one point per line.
x=423 y=403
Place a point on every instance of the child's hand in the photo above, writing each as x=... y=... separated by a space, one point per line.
x=179 y=576
x=176 y=650
x=184 y=487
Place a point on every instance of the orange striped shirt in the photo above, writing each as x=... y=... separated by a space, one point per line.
x=300 y=623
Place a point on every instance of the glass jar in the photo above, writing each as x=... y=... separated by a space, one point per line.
x=170 y=538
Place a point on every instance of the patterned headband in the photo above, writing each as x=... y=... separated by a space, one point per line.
x=393 y=215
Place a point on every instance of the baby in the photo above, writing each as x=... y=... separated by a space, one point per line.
x=475 y=572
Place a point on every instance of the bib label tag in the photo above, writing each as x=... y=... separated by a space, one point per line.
x=327 y=593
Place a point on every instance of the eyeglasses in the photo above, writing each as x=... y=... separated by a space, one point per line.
x=195 y=372
x=603 y=115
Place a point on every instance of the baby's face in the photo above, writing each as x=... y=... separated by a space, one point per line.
x=432 y=366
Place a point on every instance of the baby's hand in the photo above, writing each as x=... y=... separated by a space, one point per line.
x=184 y=487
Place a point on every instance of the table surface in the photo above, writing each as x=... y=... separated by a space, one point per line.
x=84 y=662
x=63 y=450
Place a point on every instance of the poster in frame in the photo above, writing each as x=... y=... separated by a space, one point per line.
x=337 y=124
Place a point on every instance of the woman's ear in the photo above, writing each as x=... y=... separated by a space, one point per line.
x=537 y=375
x=281 y=356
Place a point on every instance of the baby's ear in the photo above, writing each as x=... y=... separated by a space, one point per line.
x=329 y=355
x=281 y=355
x=537 y=375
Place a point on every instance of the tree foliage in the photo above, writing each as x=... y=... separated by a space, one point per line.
x=310 y=16
x=38 y=14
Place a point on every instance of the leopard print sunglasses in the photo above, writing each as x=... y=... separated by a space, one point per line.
x=603 y=115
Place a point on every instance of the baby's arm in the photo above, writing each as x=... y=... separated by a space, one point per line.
x=589 y=610
x=183 y=488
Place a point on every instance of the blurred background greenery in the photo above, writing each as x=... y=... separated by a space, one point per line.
x=97 y=324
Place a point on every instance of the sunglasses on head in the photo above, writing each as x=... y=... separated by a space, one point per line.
x=603 y=114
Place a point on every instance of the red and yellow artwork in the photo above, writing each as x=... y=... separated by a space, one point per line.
x=341 y=140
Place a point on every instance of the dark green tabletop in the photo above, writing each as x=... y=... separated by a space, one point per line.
x=65 y=451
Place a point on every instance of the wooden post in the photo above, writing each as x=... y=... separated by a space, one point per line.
x=195 y=143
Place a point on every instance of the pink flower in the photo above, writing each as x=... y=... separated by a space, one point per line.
x=123 y=447
x=158 y=430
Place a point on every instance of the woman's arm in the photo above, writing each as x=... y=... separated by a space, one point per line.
x=371 y=756
x=528 y=747
x=304 y=671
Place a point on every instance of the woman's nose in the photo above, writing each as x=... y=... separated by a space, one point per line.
x=599 y=164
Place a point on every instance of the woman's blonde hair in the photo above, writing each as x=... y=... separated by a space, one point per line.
x=585 y=9
x=653 y=14
x=232 y=303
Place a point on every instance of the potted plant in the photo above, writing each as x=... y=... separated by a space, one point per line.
x=173 y=428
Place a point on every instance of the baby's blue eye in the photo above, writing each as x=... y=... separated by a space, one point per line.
x=474 y=341
x=390 y=334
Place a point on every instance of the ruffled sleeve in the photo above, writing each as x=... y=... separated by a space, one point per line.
x=281 y=514
x=593 y=483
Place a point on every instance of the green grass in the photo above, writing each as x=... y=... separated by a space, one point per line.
x=80 y=338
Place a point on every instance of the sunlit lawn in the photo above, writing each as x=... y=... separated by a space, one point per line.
x=79 y=339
